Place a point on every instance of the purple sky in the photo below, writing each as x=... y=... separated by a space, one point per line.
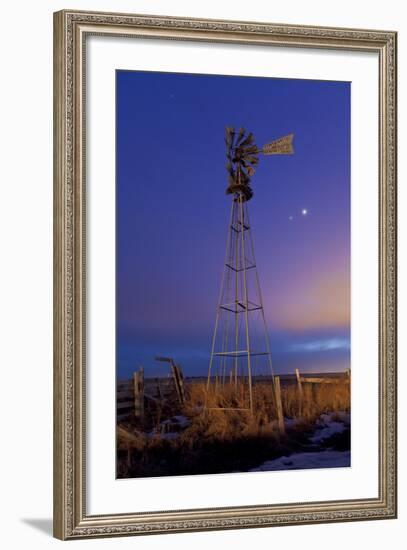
x=172 y=216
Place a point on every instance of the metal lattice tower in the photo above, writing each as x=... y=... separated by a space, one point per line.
x=240 y=344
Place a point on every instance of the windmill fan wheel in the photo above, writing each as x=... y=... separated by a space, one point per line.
x=242 y=159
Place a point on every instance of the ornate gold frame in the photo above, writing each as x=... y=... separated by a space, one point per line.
x=70 y=31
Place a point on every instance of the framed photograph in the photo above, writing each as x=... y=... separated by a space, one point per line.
x=225 y=274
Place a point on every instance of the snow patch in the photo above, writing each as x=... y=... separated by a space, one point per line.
x=327 y=427
x=183 y=421
x=327 y=432
x=300 y=461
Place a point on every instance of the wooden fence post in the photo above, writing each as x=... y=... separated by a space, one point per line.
x=177 y=376
x=299 y=383
x=279 y=405
x=179 y=382
x=300 y=391
x=138 y=381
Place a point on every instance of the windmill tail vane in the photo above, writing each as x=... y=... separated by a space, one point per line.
x=280 y=146
x=243 y=157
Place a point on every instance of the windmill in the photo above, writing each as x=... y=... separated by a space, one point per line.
x=236 y=343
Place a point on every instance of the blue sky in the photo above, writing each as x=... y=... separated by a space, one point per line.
x=172 y=215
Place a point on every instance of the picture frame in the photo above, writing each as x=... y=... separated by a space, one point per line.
x=72 y=30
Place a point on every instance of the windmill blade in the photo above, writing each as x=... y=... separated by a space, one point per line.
x=281 y=146
x=248 y=149
x=229 y=169
x=247 y=141
x=244 y=175
x=249 y=169
x=229 y=130
x=251 y=159
x=229 y=135
x=240 y=135
x=229 y=151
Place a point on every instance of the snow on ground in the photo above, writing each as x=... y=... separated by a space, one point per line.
x=327 y=431
x=327 y=426
x=299 y=461
x=181 y=420
x=170 y=428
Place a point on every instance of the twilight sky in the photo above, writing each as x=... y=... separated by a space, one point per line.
x=172 y=216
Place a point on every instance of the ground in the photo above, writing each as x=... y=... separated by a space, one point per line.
x=194 y=439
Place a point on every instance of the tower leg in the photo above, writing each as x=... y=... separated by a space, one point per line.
x=220 y=300
x=236 y=207
x=246 y=302
x=267 y=337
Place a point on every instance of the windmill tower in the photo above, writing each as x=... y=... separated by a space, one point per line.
x=240 y=343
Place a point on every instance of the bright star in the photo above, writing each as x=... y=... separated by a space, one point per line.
x=304 y=211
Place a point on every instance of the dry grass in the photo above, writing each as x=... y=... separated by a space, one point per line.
x=232 y=440
x=316 y=400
